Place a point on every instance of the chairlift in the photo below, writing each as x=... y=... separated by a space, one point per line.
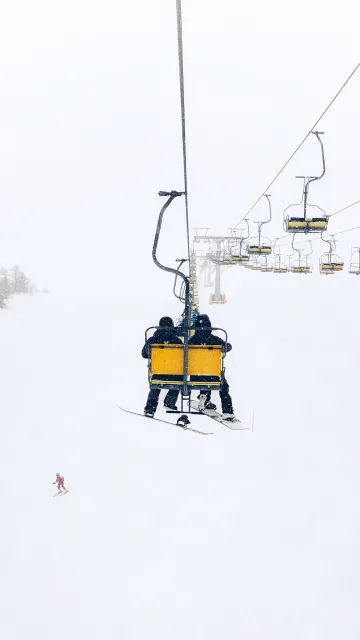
x=240 y=256
x=256 y=264
x=277 y=267
x=223 y=258
x=265 y=266
x=218 y=255
x=354 y=268
x=259 y=246
x=201 y=237
x=182 y=366
x=307 y=224
x=330 y=262
x=301 y=265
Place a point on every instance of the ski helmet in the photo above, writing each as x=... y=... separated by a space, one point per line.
x=58 y=475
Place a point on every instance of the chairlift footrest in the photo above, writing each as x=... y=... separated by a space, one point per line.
x=196 y=413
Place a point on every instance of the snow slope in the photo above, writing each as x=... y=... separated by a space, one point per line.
x=166 y=534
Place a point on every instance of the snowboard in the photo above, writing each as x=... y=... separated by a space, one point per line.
x=234 y=425
x=173 y=424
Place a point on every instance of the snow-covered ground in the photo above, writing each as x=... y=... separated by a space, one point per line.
x=166 y=534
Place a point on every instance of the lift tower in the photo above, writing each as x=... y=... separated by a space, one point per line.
x=217 y=297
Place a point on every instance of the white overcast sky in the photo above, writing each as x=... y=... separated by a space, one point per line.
x=90 y=125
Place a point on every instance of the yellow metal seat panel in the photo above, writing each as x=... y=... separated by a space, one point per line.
x=296 y=224
x=203 y=360
x=319 y=224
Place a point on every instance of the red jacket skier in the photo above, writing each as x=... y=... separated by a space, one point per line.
x=60 y=482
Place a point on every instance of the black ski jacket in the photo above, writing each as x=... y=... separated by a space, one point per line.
x=166 y=334
x=203 y=333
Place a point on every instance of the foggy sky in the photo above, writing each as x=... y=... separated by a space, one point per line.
x=90 y=125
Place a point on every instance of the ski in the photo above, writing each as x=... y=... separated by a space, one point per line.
x=186 y=428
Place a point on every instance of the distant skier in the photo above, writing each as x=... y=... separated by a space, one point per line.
x=165 y=334
x=60 y=483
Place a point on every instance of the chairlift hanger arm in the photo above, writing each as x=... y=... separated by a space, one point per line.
x=295 y=249
x=296 y=204
x=329 y=242
x=274 y=247
x=180 y=296
x=242 y=238
x=312 y=250
x=248 y=229
x=314 y=178
x=267 y=196
x=171 y=196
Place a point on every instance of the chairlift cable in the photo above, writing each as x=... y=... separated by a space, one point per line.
x=301 y=143
x=287 y=244
x=183 y=121
x=344 y=208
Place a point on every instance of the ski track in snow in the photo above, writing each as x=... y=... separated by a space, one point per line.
x=165 y=534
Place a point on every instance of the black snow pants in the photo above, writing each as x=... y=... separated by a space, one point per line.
x=153 y=399
x=226 y=402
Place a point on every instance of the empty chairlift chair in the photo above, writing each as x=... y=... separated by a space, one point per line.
x=266 y=267
x=261 y=246
x=304 y=223
x=301 y=265
x=278 y=266
x=330 y=263
x=354 y=268
x=238 y=253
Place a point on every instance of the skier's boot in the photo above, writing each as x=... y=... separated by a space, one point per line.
x=171 y=407
x=229 y=417
x=210 y=405
x=204 y=403
x=149 y=414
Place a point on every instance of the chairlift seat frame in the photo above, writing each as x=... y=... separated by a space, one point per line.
x=205 y=368
x=301 y=269
x=307 y=225
x=332 y=266
x=259 y=250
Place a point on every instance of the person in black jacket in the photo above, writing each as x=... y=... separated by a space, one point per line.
x=203 y=335
x=165 y=334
